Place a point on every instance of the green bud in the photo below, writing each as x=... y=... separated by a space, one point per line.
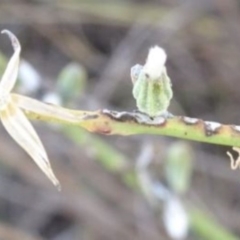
x=152 y=96
x=152 y=87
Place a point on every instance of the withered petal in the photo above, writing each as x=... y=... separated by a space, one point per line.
x=10 y=75
x=23 y=133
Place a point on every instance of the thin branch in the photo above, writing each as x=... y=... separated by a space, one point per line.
x=129 y=123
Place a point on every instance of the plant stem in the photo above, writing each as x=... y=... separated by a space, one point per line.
x=126 y=123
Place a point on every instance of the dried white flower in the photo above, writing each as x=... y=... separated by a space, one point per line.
x=13 y=118
x=155 y=62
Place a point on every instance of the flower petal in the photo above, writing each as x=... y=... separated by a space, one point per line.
x=24 y=134
x=10 y=75
x=45 y=110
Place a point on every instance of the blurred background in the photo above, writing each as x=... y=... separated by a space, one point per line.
x=78 y=54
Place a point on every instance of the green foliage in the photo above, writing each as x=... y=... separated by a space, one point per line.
x=207 y=228
x=178 y=166
x=71 y=82
x=152 y=97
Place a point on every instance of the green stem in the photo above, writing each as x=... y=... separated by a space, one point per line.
x=111 y=159
x=207 y=228
x=125 y=123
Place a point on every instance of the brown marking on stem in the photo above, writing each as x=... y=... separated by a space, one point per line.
x=160 y=122
x=120 y=116
x=138 y=118
x=211 y=128
x=103 y=128
x=190 y=121
x=125 y=117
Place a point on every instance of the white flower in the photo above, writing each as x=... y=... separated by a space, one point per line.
x=13 y=118
x=155 y=63
x=175 y=219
